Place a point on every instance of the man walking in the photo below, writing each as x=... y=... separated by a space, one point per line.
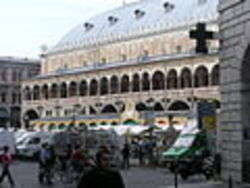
x=6 y=160
x=126 y=156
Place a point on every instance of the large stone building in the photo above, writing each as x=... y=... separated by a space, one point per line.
x=12 y=72
x=235 y=78
x=116 y=66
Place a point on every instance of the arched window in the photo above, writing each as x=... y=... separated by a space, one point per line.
x=172 y=79
x=27 y=93
x=145 y=82
x=186 y=78
x=136 y=83
x=109 y=109
x=93 y=87
x=63 y=90
x=158 y=107
x=83 y=88
x=158 y=81
x=125 y=84
x=72 y=89
x=36 y=93
x=104 y=86
x=141 y=107
x=45 y=92
x=54 y=91
x=215 y=75
x=201 y=77
x=179 y=106
x=114 y=85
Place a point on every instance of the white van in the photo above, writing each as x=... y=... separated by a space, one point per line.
x=30 y=145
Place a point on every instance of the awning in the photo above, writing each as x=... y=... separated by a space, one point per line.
x=61 y=127
x=130 y=122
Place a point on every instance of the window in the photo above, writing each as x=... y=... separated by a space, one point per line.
x=103 y=61
x=178 y=49
x=124 y=57
x=14 y=96
x=3 y=97
x=49 y=113
x=168 y=6
x=139 y=13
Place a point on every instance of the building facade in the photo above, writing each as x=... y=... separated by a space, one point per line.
x=235 y=71
x=12 y=72
x=125 y=65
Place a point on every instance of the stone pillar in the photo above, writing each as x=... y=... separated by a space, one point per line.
x=235 y=144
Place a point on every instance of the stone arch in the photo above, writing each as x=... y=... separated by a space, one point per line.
x=172 y=79
x=145 y=82
x=54 y=91
x=36 y=92
x=114 y=85
x=93 y=88
x=109 y=109
x=72 y=89
x=186 y=78
x=178 y=106
x=136 y=83
x=45 y=91
x=201 y=77
x=158 y=81
x=92 y=110
x=215 y=76
x=63 y=90
x=83 y=88
x=104 y=86
x=140 y=107
x=28 y=116
x=125 y=84
x=158 y=107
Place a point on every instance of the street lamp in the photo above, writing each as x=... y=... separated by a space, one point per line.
x=150 y=114
x=120 y=104
x=26 y=120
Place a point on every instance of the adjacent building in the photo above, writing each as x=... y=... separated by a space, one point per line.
x=126 y=66
x=12 y=72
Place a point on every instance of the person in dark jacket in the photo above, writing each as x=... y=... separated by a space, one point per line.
x=126 y=156
x=101 y=176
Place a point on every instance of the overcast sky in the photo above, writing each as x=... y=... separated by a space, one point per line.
x=28 y=24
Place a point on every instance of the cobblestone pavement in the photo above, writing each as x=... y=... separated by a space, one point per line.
x=25 y=175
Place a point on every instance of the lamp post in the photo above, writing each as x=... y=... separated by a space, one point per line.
x=75 y=109
x=120 y=105
x=26 y=120
x=150 y=114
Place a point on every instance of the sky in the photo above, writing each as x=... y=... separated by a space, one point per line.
x=26 y=25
